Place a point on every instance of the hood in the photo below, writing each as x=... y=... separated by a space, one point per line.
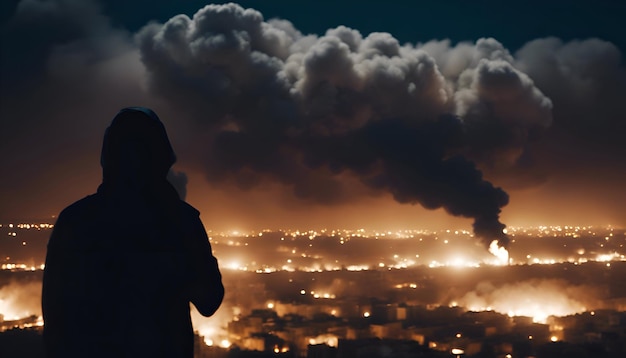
x=136 y=148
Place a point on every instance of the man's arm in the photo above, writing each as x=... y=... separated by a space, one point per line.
x=206 y=290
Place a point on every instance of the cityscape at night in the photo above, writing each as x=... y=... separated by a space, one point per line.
x=374 y=179
x=292 y=292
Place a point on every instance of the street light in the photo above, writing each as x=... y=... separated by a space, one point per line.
x=457 y=352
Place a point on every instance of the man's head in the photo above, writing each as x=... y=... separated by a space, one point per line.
x=136 y=147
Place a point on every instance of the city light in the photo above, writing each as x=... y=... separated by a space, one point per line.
x=328 y=339
x=398 y=264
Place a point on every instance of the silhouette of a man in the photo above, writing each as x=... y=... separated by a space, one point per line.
x=124 y=263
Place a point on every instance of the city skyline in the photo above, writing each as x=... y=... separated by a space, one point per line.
x=309 y=287
x=555 y=147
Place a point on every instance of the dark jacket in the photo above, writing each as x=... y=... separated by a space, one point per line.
x=124 y=263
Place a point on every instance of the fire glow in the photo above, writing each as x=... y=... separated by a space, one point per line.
x=19 y=301
x=212 y=329
x=499 y=252
x=538 y=299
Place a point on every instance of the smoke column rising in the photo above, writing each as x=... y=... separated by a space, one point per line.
x=308 y=111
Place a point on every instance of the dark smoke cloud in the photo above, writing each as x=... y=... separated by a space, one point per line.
x=270 y=104
x=303 y=110
x=501 y=107
x=65 y=72
x=585 y=79
x=64 y=32
x=412 y=161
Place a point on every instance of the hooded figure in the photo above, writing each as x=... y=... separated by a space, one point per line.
x=124 y=263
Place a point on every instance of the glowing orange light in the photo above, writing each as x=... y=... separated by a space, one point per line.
x=499 y=252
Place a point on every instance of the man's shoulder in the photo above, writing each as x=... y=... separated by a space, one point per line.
x=82 y=207
x=187 y=209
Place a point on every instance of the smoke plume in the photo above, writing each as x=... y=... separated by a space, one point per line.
x=308 y=111
x=251 y=101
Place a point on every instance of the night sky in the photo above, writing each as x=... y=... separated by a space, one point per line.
x=311 y=114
